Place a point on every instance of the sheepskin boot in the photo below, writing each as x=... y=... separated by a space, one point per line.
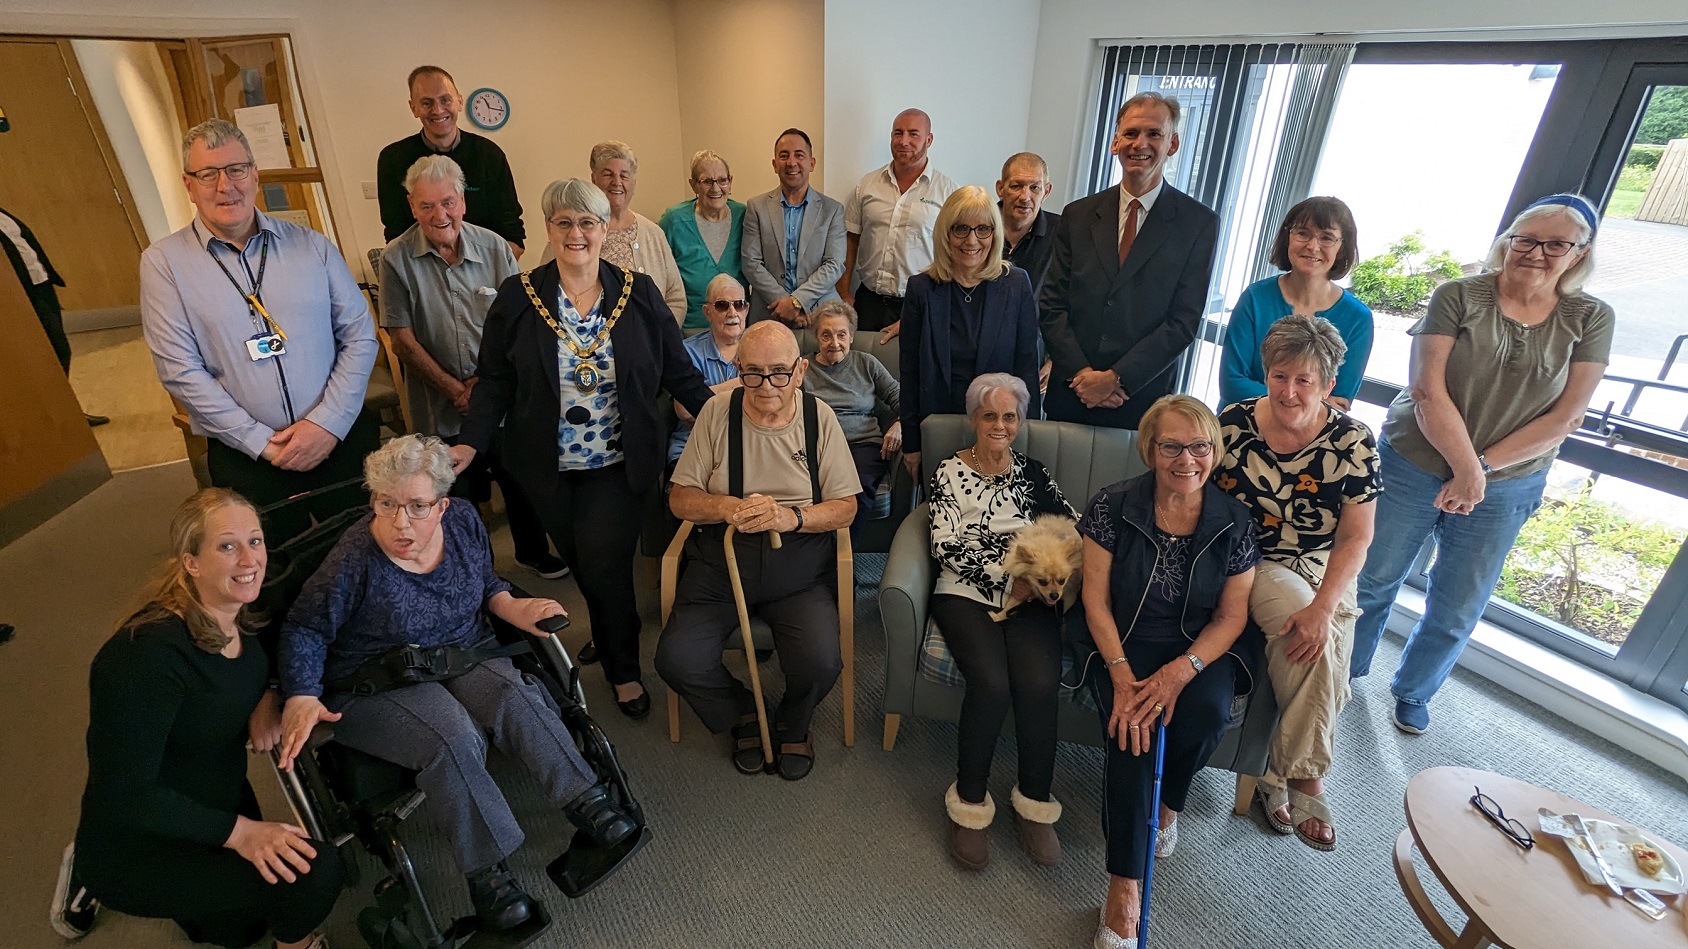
x=968 y=845
x=1036 y=820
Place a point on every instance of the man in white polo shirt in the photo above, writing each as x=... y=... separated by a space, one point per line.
x=888 y=220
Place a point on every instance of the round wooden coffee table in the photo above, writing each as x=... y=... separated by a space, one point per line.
x=1512 y=897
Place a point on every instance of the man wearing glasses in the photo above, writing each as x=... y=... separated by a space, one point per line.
x=713 y=350
x=763 y=458
x=794 y=243
x=1127 y=287
x=260 y=334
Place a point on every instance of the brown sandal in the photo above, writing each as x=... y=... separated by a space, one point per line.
x=747 y=747
x=795 y=759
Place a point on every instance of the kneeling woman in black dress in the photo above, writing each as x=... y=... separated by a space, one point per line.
x=170 y=827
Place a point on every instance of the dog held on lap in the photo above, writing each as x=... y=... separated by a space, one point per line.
x=1047 y=554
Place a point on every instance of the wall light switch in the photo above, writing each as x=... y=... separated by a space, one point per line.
x=369 y=190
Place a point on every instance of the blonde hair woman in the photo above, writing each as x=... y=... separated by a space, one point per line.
x=970 y=313
x=170 y=828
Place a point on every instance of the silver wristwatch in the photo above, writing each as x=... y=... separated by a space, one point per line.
x=1196 y=661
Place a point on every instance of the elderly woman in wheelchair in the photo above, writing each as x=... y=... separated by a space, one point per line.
x=390 y=640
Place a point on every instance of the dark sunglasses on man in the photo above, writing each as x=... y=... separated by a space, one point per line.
x=729 y=306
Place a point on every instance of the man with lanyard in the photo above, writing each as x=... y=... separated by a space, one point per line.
x=889 y=221
x=260 y=333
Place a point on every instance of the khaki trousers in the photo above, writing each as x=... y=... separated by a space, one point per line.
x=1310 y=695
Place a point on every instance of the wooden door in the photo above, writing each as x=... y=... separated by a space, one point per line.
x=244 y=71
x=58 y=175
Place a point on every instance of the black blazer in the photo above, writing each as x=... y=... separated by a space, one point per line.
x=1135 y=319
x=518 y=384
x=16 y=258
x=1007 y=343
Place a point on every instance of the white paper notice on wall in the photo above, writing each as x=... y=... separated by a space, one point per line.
x=262 y=126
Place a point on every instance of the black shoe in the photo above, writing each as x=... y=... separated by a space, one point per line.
x=636 y=708
x=588 y=654
x=548 y=567
x=94 y=420
x=599 y=818
x=73 y=908
x=500 y=902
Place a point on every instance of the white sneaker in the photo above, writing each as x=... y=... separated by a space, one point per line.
x=73 y=909
x=1108 y=939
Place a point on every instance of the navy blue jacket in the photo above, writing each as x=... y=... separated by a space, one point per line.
x=518 y=384
x=1008 y=342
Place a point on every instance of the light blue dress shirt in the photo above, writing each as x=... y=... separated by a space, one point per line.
x=793 y=230
x=700 y=348
x=197 y=322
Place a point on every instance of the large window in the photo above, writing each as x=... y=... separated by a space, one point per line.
x=1435 y=146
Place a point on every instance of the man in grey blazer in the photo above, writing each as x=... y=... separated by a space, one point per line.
x=793 y=244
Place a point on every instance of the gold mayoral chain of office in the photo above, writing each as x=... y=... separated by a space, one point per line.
x=586 y=374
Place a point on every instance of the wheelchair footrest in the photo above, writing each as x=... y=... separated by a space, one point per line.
x=583 y=866
x=515 y=938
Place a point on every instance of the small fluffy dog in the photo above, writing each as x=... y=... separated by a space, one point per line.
x=1047 y=554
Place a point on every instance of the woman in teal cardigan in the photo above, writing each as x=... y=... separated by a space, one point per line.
x=704 y=233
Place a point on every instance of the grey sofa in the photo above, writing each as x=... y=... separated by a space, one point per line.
x=1082 y=460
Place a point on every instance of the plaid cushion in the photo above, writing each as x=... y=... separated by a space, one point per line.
x=938 y=664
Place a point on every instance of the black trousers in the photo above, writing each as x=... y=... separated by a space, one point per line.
x=213 y=893
x=791 y=589
x=870 y=470
x=875 y=311
x=1015 y=663
x=44 y=297
x=1198 y=723
x=593 y=517
x=264 y=484
x=474 y=485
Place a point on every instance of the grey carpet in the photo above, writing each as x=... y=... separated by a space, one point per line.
x=852 y=856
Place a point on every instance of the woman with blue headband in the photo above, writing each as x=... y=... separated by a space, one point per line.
x=1503 y=366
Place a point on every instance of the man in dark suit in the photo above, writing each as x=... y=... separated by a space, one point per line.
x=1125 y=292
x=39 y=279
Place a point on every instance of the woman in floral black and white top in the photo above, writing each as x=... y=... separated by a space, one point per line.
x=1309 y=475
x=980 y=497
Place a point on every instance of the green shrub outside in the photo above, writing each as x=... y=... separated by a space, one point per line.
x=1644 y=156
x=1402 y=278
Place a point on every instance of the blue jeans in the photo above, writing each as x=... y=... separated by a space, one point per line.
x=1471 y=549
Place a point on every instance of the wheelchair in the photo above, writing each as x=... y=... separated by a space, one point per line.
x=347 y=797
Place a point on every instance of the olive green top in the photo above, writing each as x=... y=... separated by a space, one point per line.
x=1501 y=375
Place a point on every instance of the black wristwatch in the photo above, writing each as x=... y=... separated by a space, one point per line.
x=799 y=512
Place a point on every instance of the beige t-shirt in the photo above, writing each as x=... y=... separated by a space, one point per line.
x=774 y=463
x=1501 y=375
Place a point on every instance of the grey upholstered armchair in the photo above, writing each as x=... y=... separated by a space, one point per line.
x=920 y=675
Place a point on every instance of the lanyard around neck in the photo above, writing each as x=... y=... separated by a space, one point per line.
x=254 y=303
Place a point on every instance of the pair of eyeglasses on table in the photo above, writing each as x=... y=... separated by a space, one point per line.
x=1515 y=831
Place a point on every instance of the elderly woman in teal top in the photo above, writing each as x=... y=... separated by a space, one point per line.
x=1316 y=246
x=704 y=233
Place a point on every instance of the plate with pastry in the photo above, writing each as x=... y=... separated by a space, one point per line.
x=1636 y=861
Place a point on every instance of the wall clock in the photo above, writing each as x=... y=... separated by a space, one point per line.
x=489 y=109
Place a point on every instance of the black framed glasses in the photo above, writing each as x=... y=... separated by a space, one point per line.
x=754 y=380
x=1174 y=449
x=415 y=510
x=239 y=171
x=1517 y=832
x=981 y=231
x=728 y=306
x=1522 y=246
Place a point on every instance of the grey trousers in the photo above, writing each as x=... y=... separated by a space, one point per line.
x=791 y=589
x=440 y=729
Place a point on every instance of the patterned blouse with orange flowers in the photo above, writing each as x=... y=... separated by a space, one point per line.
x=1297 y=498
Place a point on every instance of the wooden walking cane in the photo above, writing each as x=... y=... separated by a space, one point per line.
x=750 y=641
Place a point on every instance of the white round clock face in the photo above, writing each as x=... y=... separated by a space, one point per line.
x=488 y=108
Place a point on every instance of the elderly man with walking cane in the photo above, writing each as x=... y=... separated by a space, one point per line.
x=768 y=461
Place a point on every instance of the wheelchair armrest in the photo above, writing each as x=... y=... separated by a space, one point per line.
x=321 y=735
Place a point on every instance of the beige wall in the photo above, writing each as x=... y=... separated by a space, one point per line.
x=132 y=95
x=748 y=70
